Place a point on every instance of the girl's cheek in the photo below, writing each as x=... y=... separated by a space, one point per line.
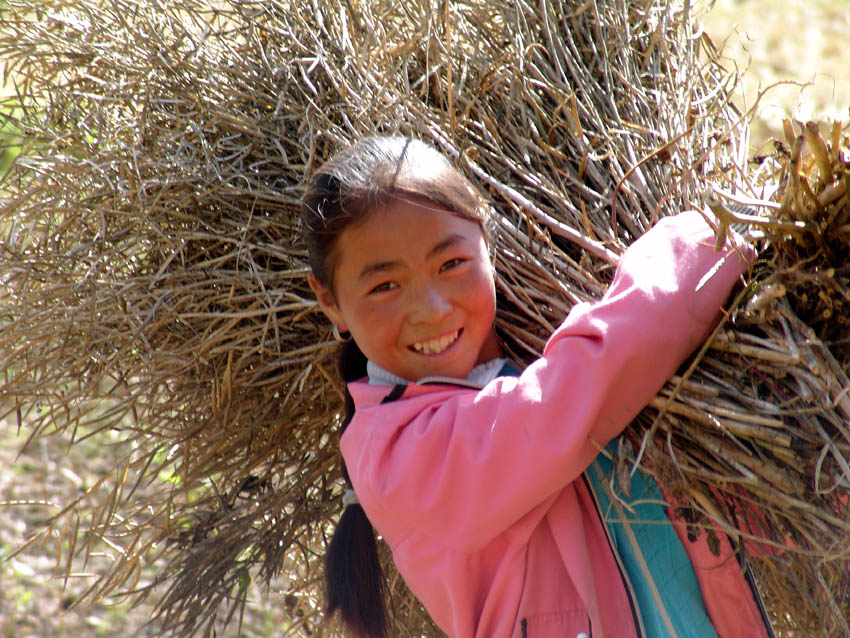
x=484 y=284
x=384 y=311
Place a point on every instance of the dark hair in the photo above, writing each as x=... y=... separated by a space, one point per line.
x=345 y=190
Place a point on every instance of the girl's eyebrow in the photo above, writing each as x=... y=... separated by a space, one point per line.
x=445 y=244
x=374 y=267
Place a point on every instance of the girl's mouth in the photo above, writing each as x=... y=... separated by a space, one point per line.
x=436 y=346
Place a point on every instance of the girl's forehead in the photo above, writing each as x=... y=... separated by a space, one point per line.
x=404 y=230
x=408 y=223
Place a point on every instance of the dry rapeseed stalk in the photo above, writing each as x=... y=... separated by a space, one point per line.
x=152 y=283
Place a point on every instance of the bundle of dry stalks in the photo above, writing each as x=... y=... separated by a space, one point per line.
x=153 y=284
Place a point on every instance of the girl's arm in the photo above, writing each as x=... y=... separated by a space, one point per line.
x=465 y=465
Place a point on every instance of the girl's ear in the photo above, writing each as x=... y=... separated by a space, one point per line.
x=327 y=302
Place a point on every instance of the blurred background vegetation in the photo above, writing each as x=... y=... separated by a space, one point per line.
x=798 y=47
x=796 y=43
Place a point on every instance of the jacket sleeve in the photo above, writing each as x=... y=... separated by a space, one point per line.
x=464 y=468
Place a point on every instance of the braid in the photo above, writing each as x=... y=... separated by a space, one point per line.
x=353 y=577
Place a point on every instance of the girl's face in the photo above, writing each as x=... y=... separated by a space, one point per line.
x=414 y=286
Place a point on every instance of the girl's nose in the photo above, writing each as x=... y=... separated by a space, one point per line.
x=429 y=305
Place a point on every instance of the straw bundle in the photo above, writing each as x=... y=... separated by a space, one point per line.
x=153 y=285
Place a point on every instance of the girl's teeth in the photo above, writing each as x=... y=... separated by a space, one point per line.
x=437 y=345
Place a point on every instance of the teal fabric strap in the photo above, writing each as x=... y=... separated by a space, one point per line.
x=660 y=571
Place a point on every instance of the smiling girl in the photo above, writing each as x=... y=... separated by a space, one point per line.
x=489 y=485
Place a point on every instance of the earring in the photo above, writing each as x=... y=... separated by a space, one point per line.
x=341 y=337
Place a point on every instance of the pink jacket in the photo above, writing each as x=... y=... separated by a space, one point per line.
x=476 y=491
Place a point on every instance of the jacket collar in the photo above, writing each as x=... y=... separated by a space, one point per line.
x=380 y=383
x=478 y=377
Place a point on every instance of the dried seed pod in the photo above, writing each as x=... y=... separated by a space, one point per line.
x=819 y=150
x=835 y=139
x=790 y=199
x=788 y=129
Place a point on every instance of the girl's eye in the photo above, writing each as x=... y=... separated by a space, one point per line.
x=384 y=287
x=452 y=263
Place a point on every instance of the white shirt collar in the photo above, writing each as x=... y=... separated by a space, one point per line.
x=479 y=376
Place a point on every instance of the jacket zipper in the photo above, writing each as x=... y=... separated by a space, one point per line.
x=524 y=626
x=627 y=584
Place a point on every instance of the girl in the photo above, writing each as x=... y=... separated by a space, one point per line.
x=488 y=485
